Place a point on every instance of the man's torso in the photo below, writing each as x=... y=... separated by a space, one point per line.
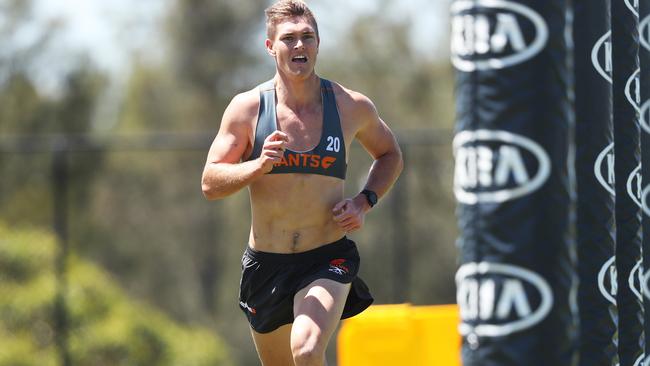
x=293 y=212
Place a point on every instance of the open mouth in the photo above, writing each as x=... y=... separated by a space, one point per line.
x=300 y=59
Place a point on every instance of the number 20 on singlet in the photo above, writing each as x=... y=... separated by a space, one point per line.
x=333 y=144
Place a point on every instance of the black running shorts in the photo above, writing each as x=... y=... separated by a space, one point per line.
x=270 y=281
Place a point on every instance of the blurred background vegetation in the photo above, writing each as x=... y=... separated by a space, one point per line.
x=109 y=255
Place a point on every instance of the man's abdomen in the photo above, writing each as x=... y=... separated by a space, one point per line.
x=293 y=212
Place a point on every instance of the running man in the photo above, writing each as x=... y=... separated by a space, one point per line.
x=287 y=141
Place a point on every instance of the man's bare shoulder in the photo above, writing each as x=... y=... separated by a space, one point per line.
x=244 y=106
x=353 y=103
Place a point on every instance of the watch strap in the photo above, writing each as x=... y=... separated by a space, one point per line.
x=371 y=197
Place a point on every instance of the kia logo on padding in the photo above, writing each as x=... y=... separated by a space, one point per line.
x=601 y=56
x=639 y=361
x=500 y=299
x=644 y=33
x=645 y=197
x=635 y=281
x=497 y=166
x=634 y=185
x=633 y=90
x=494 y=34
x=633 y=5
x=644 y=117
x=604 y=169
x=607 y=280
x=644 y=285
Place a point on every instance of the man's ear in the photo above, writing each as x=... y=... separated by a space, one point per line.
x=269 y=47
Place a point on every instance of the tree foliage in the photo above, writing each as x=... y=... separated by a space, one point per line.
x=105 y=326
x=140 y=215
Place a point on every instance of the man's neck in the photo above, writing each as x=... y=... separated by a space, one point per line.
x=298 y=94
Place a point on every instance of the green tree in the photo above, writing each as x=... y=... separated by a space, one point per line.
x=105 y=327
x=176 y=245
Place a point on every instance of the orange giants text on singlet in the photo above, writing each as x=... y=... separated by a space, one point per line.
x=306 y=160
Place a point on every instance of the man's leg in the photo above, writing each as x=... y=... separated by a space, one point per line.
x=317 y=310
x=273 y=348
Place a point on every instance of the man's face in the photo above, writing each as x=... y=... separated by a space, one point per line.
x=294 y=46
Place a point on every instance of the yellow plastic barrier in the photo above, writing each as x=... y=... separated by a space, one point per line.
x=401 y=335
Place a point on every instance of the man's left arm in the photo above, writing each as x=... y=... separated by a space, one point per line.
x=380 y=142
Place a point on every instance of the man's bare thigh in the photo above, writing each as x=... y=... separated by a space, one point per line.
x=274 y=348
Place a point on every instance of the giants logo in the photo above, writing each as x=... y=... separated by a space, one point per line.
x=306 y=160
x=604 y=169
x=494 y=34
x=601 y=56
x=496 y=166
x=607 y=282
x=499 y=299
x=633 y=90
x=634 y=186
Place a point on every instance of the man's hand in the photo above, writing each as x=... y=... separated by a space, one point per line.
x=272 y=150
x=350 y=213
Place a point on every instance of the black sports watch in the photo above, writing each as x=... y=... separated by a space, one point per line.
x=371 y=197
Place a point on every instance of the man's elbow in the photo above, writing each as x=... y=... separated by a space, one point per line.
x=395 y=154
x=210 y=191
x=400 y=161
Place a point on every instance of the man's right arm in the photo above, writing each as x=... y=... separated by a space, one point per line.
x=224 y=173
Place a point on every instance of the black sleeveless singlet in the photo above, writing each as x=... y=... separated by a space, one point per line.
x=327 y=158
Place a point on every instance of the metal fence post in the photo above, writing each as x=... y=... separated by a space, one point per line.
x=60 y=211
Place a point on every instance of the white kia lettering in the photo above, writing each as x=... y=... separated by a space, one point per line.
x=644 y=120
x=636 y=280
x=605 y=163
x=490 y=166
x=644 y=200
x=602 y=50
x=607 y=277
x=495 y=299
x=633 y=5
x=487 y=34
x=639 y=361
x=635 y=186
x=644 y=29
x=644 y=285
x=633 y=90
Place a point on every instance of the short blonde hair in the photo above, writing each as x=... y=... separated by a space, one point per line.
x=286 y=9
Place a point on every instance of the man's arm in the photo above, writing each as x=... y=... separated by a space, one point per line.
x=375 y=136
x=224 y=173
x=381 y=144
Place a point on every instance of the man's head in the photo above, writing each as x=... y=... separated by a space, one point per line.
x=284 y=10
x=292 y=37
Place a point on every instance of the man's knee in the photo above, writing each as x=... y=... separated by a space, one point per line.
x=307 y=345
x=308 y=357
